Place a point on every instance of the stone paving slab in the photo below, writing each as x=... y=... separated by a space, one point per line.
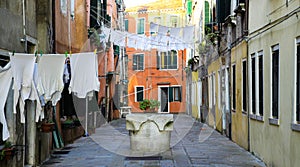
x=193 y=144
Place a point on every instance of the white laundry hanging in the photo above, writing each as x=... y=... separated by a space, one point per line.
x=24 y=88
x=5 y=83
x=50 y=77
x=84 y=68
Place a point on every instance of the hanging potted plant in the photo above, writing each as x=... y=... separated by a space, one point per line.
x=149 y=105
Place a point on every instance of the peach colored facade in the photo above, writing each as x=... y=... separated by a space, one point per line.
x=153 y=79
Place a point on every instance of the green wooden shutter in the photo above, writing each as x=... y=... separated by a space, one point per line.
x=189 y=7
x=171 y=94
x=157 y=60
x=179 y=93
x=207 y=12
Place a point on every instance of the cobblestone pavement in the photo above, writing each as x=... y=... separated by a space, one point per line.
x=193 y=144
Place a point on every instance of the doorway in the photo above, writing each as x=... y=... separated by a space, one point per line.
x=164 y=99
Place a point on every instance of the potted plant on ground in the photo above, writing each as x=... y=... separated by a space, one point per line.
x=8 y=151
x=47 y=126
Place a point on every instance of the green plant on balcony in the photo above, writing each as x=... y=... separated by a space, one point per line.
x=8 y=151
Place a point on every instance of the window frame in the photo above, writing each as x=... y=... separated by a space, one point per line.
x=160 y=57
x=260 y=87
x=233 y=88
x=244 y=87
x=253 y=84
x=137 y=25
x=275 y=49
x=171 y=20
x=137 y=66
x=136 y=92
x=297 y=83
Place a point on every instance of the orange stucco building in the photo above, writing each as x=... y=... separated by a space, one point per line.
x=153 y=74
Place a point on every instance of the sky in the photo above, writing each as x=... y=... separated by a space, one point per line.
x=131 y=3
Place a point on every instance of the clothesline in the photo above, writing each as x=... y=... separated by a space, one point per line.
x=43 y=81
x=165 y=38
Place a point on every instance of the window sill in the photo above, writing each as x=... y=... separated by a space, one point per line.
x=257 y=117
x=244 y=112
x=252 y=116
x=260 y=118
x=233 y=110
x=296 y=127
x=273 y=121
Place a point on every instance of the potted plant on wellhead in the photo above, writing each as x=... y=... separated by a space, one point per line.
x=149 y=105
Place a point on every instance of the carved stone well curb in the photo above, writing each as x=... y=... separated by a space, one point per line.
x=149 y=132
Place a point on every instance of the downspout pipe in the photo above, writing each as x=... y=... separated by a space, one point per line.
x=24 y=25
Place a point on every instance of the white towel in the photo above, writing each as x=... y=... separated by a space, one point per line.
x=50 y=77
x=84 y=68
x=132 y=40
x=22 y=68
x=5 y=82
x=188 y=34
x=153 y=27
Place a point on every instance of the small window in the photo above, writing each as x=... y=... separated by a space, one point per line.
x=167 y=60
x=275 y=81
x=139 y=93
x=157 y=20
x=174 y=93
x=138 y=62
x=233 y=88
x=174 y=21
x=141 y=26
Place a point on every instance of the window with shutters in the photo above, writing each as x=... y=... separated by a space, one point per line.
x=167 y=60
x=138 y=62
x=174 y=93
x=141 y=26
x=275 y=81
x=139 y=93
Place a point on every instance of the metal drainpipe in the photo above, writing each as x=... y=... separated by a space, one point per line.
x=24 y=26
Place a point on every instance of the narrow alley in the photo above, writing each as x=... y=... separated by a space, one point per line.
x=200 y=146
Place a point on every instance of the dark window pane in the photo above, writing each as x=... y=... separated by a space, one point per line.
x=233 y=87
x=253 y=85
x=275 y=82
x=139 y=93
x=298 y=85
x=126 y=25
x=244 y=86
x=261 y=84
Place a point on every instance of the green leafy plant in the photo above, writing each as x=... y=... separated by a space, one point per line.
x=154 y=103
x=145 y=104
x=151 y=104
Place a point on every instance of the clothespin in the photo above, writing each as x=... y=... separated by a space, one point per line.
x=41 y=52
x=95 y=51
x=13 y=52
x=66 y=54
x=35 y=53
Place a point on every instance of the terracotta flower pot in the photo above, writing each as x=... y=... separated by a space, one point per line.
x=47 y=127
